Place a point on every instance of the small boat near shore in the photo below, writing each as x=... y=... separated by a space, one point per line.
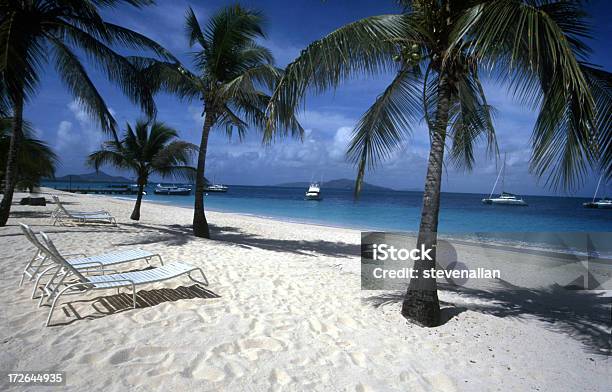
x=313 y=192
x=171 y=190
x=604 y=203
x=505 y=198
x=219 y=188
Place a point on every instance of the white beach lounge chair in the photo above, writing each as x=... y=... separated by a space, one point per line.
x=61 y=215
x=40 y=265
x=60 y=205
x=75 y=282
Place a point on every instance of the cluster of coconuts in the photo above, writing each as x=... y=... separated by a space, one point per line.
x=411 y=55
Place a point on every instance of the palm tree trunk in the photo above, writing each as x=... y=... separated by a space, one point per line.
x=200 y=225
x=10 y=179
x=421 y=303
x=136 y=213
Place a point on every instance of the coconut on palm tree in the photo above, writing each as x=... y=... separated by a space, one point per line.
x=36 y=160
x=438 y=51
x=145 y=150
x=231 y=73
x=36 y=32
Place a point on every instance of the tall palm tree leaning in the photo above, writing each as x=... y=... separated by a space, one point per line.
x=147 y=150
x=33 y=32
x=231 y=71
x=438 y=50
x=36 y=160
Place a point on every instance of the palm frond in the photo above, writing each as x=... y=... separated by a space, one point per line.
x=177 y=171
x=100 y=158
x=366 y=46
x=131 y=39
x=177 y=152
x=114 y=3
x=168 y=77
x=228 y=29
x=21 y=55
x=535 y=47
x=36 y=159
x=146 y=148
x=75 y=77
x=117 y=68
x=230 y=121
x=193 y=30
x=470 y=120
x=386 y=123
x=600 y=82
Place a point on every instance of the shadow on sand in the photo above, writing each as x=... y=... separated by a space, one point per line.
x=582 y=315
x=176 y=235
x=118 y=303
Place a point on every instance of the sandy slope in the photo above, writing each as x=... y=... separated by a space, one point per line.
x=284 y=311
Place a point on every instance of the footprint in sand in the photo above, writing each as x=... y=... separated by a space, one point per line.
x=262 y=343
x=278 y=376
x=359 y=359
x=348 y=322
x=233 y=370
x=119 y=357
x=208 y=373
x=225 y=349
x=441 y=382
x=363 y=388
x=316 y=326
x=250 y=348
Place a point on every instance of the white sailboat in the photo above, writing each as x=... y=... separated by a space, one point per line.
x=171 y=190
x=505 y=198
x=604 y=203
x=314 y=190
x=214 y=187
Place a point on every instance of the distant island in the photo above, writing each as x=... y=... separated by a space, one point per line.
x=342 y=183
x=90 y=177
x=102 y=177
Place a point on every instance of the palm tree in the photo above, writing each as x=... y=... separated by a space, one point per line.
x=438 y=51
x=33 y=32
x=146 y=150
x=231 y=68
x=36 y=160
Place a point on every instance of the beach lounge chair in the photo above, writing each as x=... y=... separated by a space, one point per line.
x=69 y=280
x=40 y=265
x=61 y=214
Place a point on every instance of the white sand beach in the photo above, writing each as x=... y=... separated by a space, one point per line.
x=284 y=311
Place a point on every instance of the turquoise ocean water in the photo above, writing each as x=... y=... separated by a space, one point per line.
x=396 y=210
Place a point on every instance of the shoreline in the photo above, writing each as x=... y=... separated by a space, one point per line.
x=465 y=238
x=255 y=215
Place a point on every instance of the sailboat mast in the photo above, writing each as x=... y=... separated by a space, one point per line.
x=597 y=189
x=495 y=184
x=504 y=174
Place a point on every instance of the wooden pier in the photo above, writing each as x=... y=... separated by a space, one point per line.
x=100 y=191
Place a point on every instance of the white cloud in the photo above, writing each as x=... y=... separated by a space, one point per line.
x=65 y=135
x=78 y=112
x=84 y=137
x=337 y=149
x=322 y=121
x=196 y=113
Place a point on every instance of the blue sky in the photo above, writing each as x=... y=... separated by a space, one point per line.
x=328 y=118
